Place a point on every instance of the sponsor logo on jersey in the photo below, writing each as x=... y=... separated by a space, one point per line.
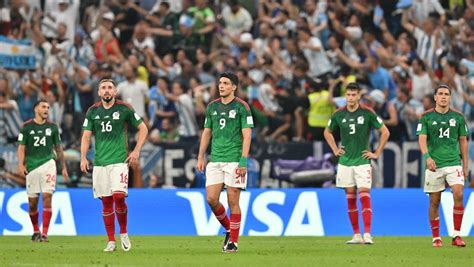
x=232 y=114
x=360 y=120
x=344 y=120
x=97 y=117
x=215 y=113
x=32 y=132
x=116 y=115
x=435 y=123
x=452 y=122
x=48 y=132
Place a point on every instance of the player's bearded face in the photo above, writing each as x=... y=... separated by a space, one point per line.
x=107 y=92
x=43 y=110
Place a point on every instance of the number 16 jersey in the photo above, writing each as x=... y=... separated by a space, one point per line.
x=443 y=132
x=109 y=127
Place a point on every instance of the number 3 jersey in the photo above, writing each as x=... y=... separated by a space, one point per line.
x=355 y=132
x=39 y=141
x=109 y=127
x=226 y=122
x=443 y=132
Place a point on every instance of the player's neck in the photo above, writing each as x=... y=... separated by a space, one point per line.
x=442 y=110
x=108 y=105
x=226 y=100
x=353 y=107
x=39 y=120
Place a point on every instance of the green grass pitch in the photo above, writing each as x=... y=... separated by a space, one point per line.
x=254 y=251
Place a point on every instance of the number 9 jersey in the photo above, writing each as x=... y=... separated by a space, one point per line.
x=443 y=132
x=39 y=141
x=109 y=127
x=226 y=122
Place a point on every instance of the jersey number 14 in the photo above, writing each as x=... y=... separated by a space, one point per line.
x=444 y=133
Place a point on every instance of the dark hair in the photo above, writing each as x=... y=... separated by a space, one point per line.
x=165 y=4
x=420 y=62
x=107 y=81
x=442 y=86
x=353 y=87
x=39 y=102
x=305 y=29
x=231 y=76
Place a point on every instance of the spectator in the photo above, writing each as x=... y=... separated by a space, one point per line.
x=319 y=64
x=133 y=91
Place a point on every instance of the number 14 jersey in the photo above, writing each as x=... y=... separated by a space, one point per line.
x=109 y=127
x=443 y=132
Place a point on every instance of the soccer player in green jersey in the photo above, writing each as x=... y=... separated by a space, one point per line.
x=442 y=136
x=354 y=172
x=37 y=139
x=108 y=120
x=229 y=122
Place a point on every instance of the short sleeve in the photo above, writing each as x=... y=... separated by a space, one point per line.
x=332 y=123
x=133 y=118
x=375 y=120
x=22 y=137
x=56 y=136
x=421 y=127
x=463 y=131
x=87 y=124
x=246 y=119
x=208 y=120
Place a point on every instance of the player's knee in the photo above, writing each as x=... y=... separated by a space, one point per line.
x=107 y=204
x=458 y=196
x=212 y=201
x=119 y=197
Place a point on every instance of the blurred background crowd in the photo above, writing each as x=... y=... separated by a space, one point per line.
x=293 y=58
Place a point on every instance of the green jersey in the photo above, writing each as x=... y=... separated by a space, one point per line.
x=355 y=132
x=110 y=130
x=39 y=141
x=443 y=132
x=226 y=122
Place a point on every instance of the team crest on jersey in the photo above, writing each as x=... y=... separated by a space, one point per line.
x=360 y=120
x=48 y=132
x=115 y=115
x=452 y=122
x=232 y=114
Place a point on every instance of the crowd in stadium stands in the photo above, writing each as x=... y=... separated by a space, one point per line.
x=293 y=59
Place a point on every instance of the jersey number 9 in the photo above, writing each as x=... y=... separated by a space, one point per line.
x=222 y=123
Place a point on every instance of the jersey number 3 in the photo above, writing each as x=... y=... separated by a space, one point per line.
x=353 y=128
x=39 y=141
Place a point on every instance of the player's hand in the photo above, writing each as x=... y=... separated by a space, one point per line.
x=366 y=154
x=133 y=157
x=465 y=170
x=339 y=152
x=430 y=163
x=200 y=164
x=22 y=170
x=84 y=165
x=65 y=175
x=241 y=171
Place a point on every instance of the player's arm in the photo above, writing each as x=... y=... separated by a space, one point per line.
x=205 y=140
x=142 y=134
x=464 y=154
x=21 y=160
x=246 y=140
x=422 y=142
x=85 y=143
x=62 y=161
x=337 y=151
x=384 y=135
